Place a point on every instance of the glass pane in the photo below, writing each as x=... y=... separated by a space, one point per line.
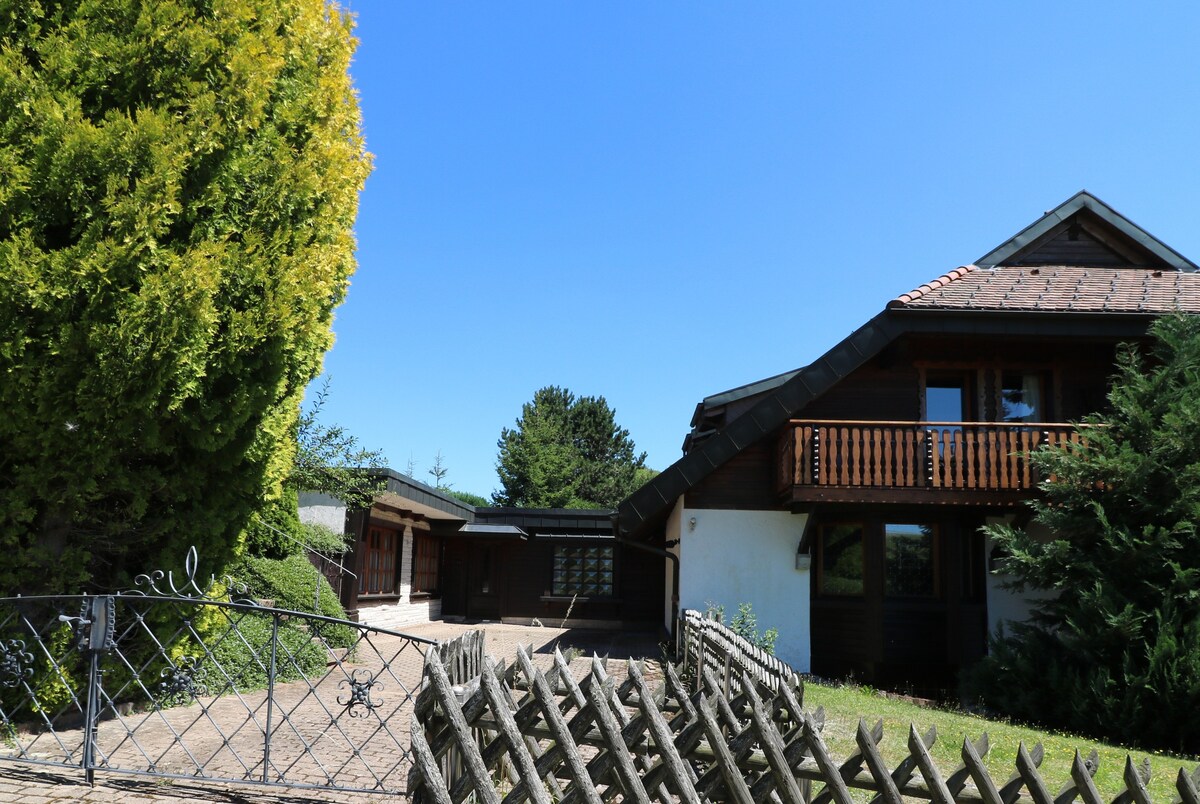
x=1021 y=398
x=909 y=560
x=944 y=402
x=841 y=560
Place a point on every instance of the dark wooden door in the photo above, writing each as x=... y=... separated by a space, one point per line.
x=897 y=600
x=483 y=582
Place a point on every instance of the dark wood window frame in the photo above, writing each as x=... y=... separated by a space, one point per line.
x=380 y=547
x=983 y=385
x=426 y=564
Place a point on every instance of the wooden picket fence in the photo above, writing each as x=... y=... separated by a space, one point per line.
x=548 y=737
x=462 y=657
x=705 y=642
x=463 y=660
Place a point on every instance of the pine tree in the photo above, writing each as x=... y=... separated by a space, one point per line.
x=566 y=452
x=1115 y=651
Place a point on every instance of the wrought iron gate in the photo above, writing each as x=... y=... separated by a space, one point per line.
x=187 y=682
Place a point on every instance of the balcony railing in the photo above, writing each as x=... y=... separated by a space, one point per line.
x=958 y=456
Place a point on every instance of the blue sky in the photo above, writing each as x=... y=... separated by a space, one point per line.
x=655 y=202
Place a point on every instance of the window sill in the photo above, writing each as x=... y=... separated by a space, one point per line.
x=579 y=599
x=378 y=596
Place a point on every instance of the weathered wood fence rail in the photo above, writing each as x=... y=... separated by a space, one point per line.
x=462 y=658
x=549 y=737
x=705 y=642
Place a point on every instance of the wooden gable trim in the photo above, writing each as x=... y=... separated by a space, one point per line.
x=1040 y=230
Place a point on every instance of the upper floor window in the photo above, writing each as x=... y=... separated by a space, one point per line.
x=1022 y=397
x=947 y=399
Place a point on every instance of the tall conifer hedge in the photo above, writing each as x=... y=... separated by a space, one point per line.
x=178 y=182
x=1114 y=650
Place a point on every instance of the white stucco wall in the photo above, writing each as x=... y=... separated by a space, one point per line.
x=733 y=557
x=322 y=509
x=1004 y=606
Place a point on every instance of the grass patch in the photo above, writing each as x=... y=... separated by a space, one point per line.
x=845 y=705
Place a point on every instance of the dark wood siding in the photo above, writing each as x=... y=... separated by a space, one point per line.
x=745 y=482
x=1061 y=249
x=523 y=576
x=873 y=392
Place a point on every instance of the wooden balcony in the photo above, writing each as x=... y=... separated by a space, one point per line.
x=949 y=463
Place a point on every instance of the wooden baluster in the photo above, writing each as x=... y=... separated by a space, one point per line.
x=956 y=459
x=1000 y=458
x=885 y=437
x=1027 y=447
x=856 y=465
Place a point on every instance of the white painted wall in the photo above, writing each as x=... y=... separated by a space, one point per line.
x=1004 y=606
x=322 y=509
x=733 y=557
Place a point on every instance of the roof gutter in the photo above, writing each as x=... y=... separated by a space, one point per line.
x=658 y=551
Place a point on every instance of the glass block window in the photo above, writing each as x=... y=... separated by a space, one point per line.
x=583 y=571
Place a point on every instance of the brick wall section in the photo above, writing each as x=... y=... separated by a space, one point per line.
x=395 y=614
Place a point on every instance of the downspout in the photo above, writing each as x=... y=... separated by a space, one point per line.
x=658 y=551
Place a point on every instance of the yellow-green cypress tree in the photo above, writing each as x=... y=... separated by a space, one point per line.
x=178 y=184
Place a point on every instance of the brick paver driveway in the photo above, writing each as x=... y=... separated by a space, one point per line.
x=303 y=717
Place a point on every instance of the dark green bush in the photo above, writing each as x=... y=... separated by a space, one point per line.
x=1114 y=650
x=290 y=582
x=1148 y=693
x=240 y=654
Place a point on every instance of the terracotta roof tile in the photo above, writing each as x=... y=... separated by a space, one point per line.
x=1059 y=289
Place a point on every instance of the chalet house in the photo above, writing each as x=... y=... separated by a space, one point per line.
x=419 y=554
x=844 y=500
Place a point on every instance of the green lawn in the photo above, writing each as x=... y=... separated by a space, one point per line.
x=844 y=706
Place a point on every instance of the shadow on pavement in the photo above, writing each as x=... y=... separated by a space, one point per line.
x=616 y=645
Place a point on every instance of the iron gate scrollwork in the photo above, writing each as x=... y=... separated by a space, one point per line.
x=182 y=681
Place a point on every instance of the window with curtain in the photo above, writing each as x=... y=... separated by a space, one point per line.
x=1022 y=397
x=378 y=568
x=425 y=564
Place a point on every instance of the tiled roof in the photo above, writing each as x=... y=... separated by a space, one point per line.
x=1058 y=288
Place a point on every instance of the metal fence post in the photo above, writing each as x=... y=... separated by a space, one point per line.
x=99 y=613
x=270 y=695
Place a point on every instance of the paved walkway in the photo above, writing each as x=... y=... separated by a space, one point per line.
x=223 y=733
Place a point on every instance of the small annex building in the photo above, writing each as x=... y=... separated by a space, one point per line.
x=419 y=554
x=844 y=499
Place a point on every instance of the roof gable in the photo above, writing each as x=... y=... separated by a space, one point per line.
x=1153 y=278
x=1084 y=231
